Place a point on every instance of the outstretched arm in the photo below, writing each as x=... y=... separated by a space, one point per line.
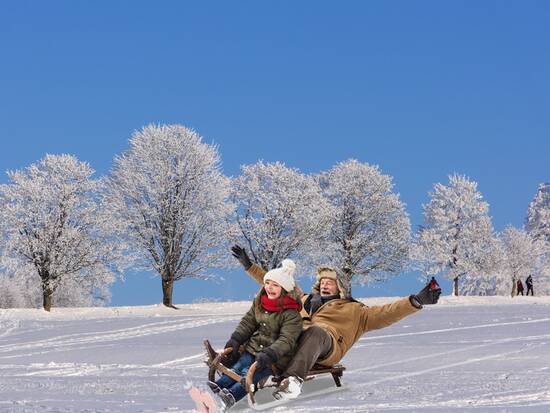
x=384 y=315
x=381 y=316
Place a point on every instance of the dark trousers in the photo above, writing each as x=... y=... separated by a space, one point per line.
x=313 y=344
x=529 y=289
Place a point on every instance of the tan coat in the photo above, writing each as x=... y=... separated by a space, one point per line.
x=346 y=320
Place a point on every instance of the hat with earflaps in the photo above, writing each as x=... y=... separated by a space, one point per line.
x=331 y=273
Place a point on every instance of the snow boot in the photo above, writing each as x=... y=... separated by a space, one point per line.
x=269 y=381
x=227 y=399
x=290 y=388
x=213 y=386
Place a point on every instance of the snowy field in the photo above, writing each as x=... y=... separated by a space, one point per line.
x=463 y=355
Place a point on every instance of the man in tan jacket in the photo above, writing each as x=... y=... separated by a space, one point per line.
x=333 y=322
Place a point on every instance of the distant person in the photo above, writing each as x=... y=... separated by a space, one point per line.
x=433 y=284
x=529 y=283
x=519 y=285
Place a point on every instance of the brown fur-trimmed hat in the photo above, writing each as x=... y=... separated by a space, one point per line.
x=327 y=272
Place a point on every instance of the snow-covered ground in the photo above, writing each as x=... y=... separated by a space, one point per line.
x=482 y=354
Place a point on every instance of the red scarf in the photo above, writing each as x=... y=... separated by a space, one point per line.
x=273 y=305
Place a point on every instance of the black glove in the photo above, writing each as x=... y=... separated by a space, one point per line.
x=234 y=344
x=240 y=254
x=265 y=359
x=426 y=295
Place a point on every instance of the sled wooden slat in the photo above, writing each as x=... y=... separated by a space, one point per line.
x=336 y=371
x=215 y=362
x=210 y=352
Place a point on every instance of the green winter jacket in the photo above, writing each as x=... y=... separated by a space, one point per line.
x=276 y=332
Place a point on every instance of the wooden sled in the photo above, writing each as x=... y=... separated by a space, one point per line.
x=337 y=370
x=215 y=362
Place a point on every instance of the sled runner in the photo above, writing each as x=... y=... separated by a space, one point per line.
x=215 y=362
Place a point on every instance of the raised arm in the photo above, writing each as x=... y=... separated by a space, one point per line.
x=240 y=253
x=255 y=271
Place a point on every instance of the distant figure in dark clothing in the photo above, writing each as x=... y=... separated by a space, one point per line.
x=529 y=283
x=433 y=284
x=520 y=287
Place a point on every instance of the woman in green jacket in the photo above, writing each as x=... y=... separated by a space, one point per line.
x=268 y=332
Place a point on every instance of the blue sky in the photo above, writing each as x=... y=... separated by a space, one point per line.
x=422 y=89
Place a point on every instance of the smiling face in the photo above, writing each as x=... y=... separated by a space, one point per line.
x=272 y=289
x=328 y=286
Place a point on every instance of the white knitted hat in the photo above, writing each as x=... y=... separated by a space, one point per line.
x=284 y=275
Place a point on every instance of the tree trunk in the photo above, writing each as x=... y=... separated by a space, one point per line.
x=167 y=290
x=347 y=270
x=47 y=295
x=455 y=286
x=514 y=287
x=346 y=282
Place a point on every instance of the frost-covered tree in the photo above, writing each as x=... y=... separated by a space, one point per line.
x=20 y=281
x=537 y=222
x=484 y=281
x=168 y=198
x=538 y=226
x=457 y=234
x=280 y=212
x=541 y=274
x=82 y=293
x=22 y=278
x=368 y=237
x=522 y=255
x=52 y=221
x=11 y=295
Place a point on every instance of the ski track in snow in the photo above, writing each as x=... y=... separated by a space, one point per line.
x=454 y=329
x=113 y=335
x=8 y=327
x=489 y=343
x=519 y=401
x=131 y=365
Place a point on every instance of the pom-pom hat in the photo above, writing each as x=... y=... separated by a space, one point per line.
x=284 y=275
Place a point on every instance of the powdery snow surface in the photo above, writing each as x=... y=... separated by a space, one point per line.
x=466 y=354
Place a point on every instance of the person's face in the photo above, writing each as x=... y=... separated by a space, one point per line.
x=272 y=289
x=328 y=286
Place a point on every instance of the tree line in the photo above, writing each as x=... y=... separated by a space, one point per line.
x=165 y=206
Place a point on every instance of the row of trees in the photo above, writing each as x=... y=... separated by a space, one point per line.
x=166 y=207
x=458 y=240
